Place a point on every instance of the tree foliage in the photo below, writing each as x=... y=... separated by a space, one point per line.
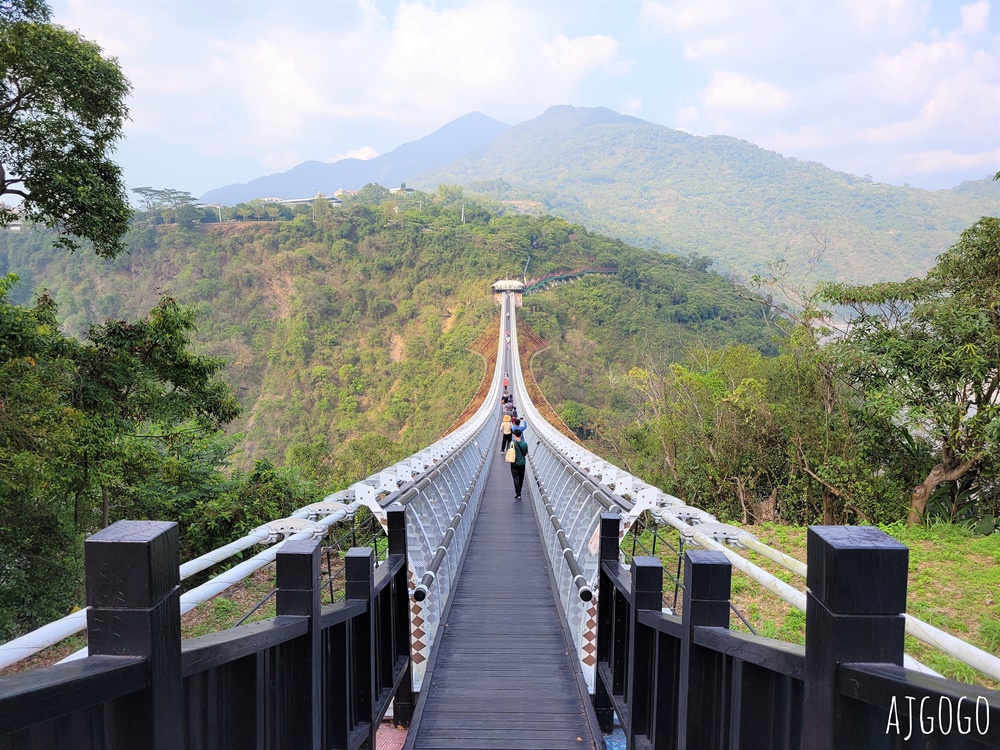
x=122 y=424
x=24 y=10
x=926 y=354
x=757 y=438
x=348 y=323
x=62 y=108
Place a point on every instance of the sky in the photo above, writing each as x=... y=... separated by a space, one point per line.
x=906 y=91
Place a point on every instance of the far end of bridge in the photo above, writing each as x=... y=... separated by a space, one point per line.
x=508 y=286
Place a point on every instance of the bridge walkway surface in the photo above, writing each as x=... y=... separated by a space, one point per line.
x=501 y=675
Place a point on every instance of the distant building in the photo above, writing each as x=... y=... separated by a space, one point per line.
x=402 y=190
x=18 y=222
x=508 y=285
x=332 y=200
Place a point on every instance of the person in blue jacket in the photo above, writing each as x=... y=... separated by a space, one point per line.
x=517 y=468
x=519 y=423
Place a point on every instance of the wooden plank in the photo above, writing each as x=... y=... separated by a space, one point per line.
x=48 y=692
x=209 y=651
x=502 y=676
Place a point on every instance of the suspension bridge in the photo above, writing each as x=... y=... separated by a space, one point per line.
x=479 y=620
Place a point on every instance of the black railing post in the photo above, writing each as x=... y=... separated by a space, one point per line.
x=707 y=580
x=402 y=707
x=647 y=594
x=133 y=592
x=359 y=585
x=856 y=592
x=298 y=594
x=610 y=525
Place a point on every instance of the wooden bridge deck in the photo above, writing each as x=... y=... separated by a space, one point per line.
x=501 y=675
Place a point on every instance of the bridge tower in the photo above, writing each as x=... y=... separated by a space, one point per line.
x=516 y=289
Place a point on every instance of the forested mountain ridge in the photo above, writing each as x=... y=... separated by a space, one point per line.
x=343 y=332
x=354 y=327
x=718 y=196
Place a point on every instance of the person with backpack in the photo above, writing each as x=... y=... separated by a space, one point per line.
x=520 y=448
x=505 y=429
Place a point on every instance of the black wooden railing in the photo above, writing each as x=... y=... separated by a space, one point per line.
x=311 y=677
x=690 y=683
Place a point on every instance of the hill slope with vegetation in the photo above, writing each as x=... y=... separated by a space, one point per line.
x=356 y=324
x=343 y=333
x=739 y=204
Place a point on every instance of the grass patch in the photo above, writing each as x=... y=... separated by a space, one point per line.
x=225 y=610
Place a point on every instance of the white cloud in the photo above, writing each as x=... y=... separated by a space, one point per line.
x=805 y=139
x=930 y=162
x=908 y=75
x=849 y=82
x=799 y=35
x=704 y=49
x=441 y=64
x=975 y=17
x=897 y=16
x=579 y=57
x=735 y=92
x=364 y=154
x=280 y=161
x=486 y=55
x=686 y=15
x=245 y=82
x=950 y=92
x=689 y=119
x=262 y=78
x=630 y=105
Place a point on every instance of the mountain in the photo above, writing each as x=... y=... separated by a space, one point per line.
x=458 y=138
x=353 y=328
x=717 y=196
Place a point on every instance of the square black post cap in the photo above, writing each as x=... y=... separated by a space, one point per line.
x=298 y=564
x=647 y=573
x=132 y=564
x=708 y=575
x=857 y=570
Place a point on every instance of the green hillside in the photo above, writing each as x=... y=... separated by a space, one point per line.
x=347 y=338
x=344 y=334
x=718 y=196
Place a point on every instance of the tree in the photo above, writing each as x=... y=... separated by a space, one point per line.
x=926 y=353
x=62 y=108
x=143 y=388
x=125 y=423
x=24 y=10
x=157 y=198
x=373 y=193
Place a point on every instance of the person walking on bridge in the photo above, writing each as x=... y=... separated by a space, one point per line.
x=505 y=427
x=517 y=468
